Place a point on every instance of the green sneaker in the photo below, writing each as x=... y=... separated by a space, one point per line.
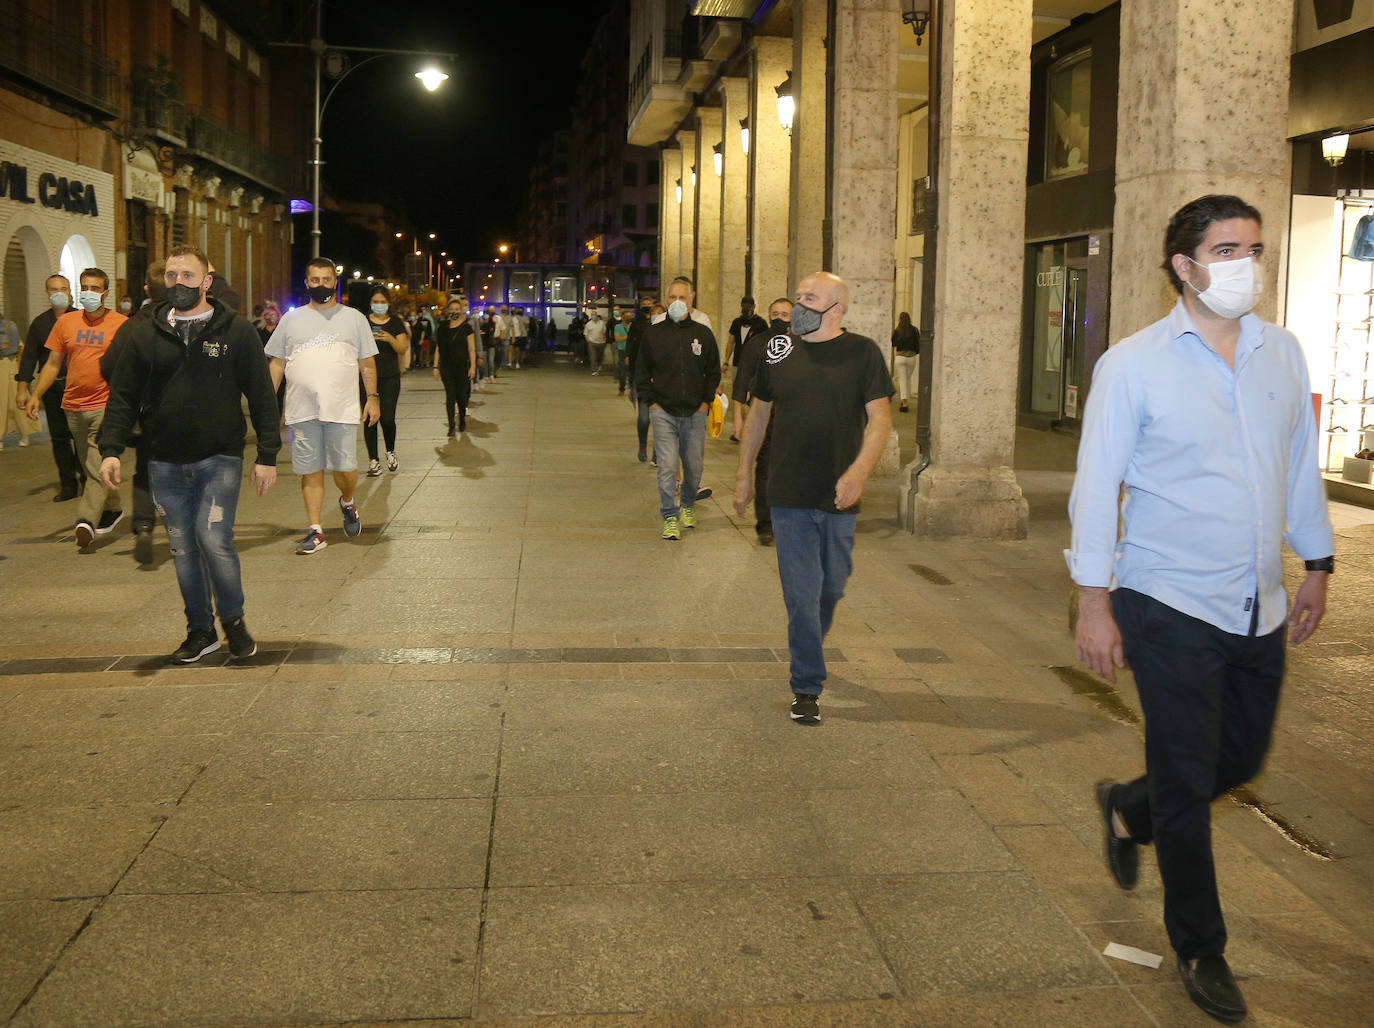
x=670 y=529
x=689 y=517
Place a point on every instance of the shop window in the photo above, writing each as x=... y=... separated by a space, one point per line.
x=1067 y=121
x=522 y=288
x=562 y=288
x=651 y=215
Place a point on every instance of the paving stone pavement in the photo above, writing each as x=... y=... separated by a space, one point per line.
x=510 y=758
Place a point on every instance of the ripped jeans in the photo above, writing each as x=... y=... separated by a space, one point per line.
x=198 y=503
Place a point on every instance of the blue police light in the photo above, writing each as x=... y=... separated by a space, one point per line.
x=301 y=207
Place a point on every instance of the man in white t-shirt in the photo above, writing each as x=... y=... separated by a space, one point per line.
x=320 y=350
x=699 y=316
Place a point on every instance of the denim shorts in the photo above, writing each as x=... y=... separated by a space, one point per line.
x=323 y=446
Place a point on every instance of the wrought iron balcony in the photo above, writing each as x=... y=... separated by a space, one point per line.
x=38 y=51
x=153 y=112
x=220 y=145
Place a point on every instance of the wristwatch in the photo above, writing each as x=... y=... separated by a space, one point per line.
x=1327 y=564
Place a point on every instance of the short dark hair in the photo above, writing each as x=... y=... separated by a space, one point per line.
x=187 y=250
x=154 y=284
x=94 y=273
x=378 y=291
x=1191 y=222
x=56 y=274
x=321 y=262
x=782 y=299
x=747 y=299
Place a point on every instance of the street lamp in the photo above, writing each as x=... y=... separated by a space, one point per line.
x=916 y=13
x=339 y=69
x=694 y=176
x=787 y=106
x=744 y=134
x=1334 y=147
x=718 y=159
x=679 y=191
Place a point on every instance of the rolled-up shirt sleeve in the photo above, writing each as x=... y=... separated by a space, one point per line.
x=1111 y=428
x=1309 y=525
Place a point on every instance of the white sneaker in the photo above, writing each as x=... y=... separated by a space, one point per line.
x=374 y=468
x=392 y=464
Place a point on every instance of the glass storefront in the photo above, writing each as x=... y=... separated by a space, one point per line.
x=1058 y=301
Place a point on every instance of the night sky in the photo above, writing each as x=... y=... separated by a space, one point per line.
x=457 y=161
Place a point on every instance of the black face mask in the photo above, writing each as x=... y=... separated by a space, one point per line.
x=321 y=294
x=778 y=325
x=183 y=297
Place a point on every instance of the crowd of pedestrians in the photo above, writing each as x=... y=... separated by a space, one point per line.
x=1185 y=586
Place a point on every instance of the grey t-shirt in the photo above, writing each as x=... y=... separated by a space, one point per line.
x=322 y=350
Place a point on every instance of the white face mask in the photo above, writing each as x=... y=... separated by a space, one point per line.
x=90 y=300
x=677 y=310
x=1235 y=286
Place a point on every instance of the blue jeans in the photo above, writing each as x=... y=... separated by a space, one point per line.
x=814 y=550
x=678 y=438
x=198 y=503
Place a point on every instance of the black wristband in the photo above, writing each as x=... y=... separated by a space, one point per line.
x=1327 y=564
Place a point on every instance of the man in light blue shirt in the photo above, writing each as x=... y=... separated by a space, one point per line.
x=1205 y=418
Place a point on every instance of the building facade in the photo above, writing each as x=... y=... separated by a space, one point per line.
x=126 y=128
x=1006 y=176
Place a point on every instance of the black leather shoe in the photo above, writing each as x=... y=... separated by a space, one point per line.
x=1123 y=855
x=1213 y=988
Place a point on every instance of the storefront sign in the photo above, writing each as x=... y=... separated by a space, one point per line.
x=1094 y=245
x=54 y=191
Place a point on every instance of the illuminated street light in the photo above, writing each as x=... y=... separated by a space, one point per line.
x=398 y=235
x=431 y=235
x=718 y=159
x=787 y=106
x=679 y=191
x=432 y=78
x=502 y=248
x=694 y=176
x=744 y=134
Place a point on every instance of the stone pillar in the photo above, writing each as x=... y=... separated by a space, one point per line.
x=670 y=219
x=807 y=220
x=734 y=209
x=687 y=234
x=770 y=150
x=707 y=260
x=1203 y=119
x=863 y=168
x=970 y=488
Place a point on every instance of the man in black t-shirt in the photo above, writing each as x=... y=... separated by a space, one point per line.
x=779 y=324
x=827 y=394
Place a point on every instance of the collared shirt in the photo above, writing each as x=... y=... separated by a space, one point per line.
x=1219 y=468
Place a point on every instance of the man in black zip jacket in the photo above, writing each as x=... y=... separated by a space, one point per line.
x=677 y=371
x=186 y=368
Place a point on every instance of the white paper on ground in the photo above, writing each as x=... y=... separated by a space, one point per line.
x=1135 y=956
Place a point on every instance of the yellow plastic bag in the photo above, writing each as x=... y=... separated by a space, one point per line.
x=715 y=416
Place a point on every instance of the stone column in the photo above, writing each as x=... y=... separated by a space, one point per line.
x=970 y=488
x=734 y=210
x=1203 y=119
x=687 y=233
x=670 y=219
x=770 y=150
x=863 y=211
x=707 y=260
x=807 y=220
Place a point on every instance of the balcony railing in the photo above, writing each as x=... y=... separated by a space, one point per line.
x=153 y=112
x=37 y=49
x=213 y=141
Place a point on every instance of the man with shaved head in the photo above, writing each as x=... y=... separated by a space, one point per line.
x=827 y=394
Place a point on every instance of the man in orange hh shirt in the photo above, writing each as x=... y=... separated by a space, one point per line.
x=81 y=338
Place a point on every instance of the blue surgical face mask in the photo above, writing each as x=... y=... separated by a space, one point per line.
x=677 y=310
x=60 y=301
x=380 y=308
x=90 y=301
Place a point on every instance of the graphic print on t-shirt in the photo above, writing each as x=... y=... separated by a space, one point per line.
x=778 y=348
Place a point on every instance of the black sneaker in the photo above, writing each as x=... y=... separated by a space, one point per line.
x=805 y=709
x=108 y=520
x=199 y=642
x=353 y=524
x=765 y=535
x=1213 y=988
x=143 y=546
x=241 y=644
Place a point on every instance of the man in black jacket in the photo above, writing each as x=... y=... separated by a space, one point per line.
x=71 y=476
x=677 y=371
x=186 y=368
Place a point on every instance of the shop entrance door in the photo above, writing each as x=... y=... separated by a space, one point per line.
x=1057 y=333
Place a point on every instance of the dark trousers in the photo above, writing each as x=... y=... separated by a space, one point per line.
x=456 y=386
x=390 y=388
x=642 y=425
x=1209 y=699
x=145 y=515
x=69 y=472
x=763 y=515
